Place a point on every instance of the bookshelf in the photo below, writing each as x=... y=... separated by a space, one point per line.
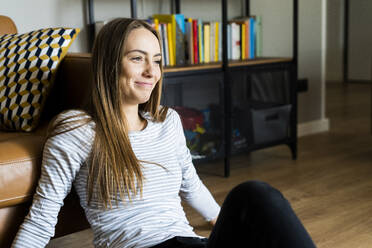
x=258 y=108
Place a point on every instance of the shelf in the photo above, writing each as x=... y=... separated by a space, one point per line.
x=258 y=61
x=232 y=63
x=196 y=67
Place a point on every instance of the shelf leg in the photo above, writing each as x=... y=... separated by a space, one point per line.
x=293 y=147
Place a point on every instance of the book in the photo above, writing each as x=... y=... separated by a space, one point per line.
x=220 y=43
x=235 y=41
x=180 y=39
x=195 y=36
x=252 y=38
x=200 y=41
x=206 y=42
x=171 y=46
x=229 y=45
x=189 y=42
x=243 y=40
x=156 y=24
x=165 y=43
x=216 y=45
x=212 y=42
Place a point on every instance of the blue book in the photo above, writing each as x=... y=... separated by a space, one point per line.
x=180 y=39
x=252 y=38
x=229 y=45
x=201 y=41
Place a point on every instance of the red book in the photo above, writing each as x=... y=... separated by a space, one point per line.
x=195 y=36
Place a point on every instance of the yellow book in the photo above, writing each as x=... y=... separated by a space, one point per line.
x=169 y=19
x=206 y=42
x=243 y=44
x=216 y=32
x=171 y=45
x=156 y=22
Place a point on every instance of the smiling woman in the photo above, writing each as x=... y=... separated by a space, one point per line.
x=127 y=158
x=140 y=69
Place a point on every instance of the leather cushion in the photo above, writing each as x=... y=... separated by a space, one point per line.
x=20 y=157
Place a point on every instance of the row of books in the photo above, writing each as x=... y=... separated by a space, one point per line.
x=192 y=41
x=187 y=41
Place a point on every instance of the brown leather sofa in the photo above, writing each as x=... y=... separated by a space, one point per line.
x=20 y=153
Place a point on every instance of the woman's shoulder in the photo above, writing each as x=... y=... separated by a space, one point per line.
x=72 y=121
x=72 y=114
x=172 y=114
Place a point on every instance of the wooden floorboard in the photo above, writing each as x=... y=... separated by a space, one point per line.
x=329 y=185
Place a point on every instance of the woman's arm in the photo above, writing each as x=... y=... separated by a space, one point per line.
x=193 y=191
x=62 y=156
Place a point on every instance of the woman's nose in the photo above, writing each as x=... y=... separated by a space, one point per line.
x=149 y=69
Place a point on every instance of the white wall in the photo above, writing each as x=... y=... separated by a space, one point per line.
x=278 y=40
x=277 y=25
x=360 y=40
x=36 y=14
x=334 y=40
x=277 y=29
x=311 y=104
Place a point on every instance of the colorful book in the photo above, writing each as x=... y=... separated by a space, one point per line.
x=243 y=40
x=252 y=36
x=235 y=41
x=171 y=46
x=212 y=42
x=195 y=36
x=216 y=45
x=229 y=43
x=180 y=32
x=189 y=42
x=165 y=43
x=207 y=42
x=200 y=43
x=220 y=43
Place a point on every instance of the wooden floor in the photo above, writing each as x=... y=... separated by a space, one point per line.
x=329 y=186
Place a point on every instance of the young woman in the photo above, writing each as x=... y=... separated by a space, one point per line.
x=129 y=163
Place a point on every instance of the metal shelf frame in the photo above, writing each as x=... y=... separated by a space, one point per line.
x=228 y=73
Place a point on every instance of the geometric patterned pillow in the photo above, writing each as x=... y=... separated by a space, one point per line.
x=28 y=63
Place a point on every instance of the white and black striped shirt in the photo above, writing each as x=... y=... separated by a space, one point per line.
x=145 y=221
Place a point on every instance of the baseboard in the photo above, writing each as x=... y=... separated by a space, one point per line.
x=313 y=127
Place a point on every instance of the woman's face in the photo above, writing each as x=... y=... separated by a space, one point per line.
x=140 y=70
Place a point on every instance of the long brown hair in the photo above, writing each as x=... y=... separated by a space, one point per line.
x=114 y=169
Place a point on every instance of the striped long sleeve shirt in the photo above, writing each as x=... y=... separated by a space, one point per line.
x=145 y=221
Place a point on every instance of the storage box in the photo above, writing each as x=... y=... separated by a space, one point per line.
x=270 y=124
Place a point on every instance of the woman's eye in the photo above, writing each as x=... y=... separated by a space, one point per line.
x=158 y=62
x=137 y=58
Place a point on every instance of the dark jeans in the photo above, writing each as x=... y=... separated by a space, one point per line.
x=254 y=215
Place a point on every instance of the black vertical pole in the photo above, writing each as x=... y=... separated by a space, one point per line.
x=346 y=41
x=247 y=8
x=293 y=88
x=227 y=90
x=133 y=8
x=91 y=26
x=178 y=7
x=295 y=34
